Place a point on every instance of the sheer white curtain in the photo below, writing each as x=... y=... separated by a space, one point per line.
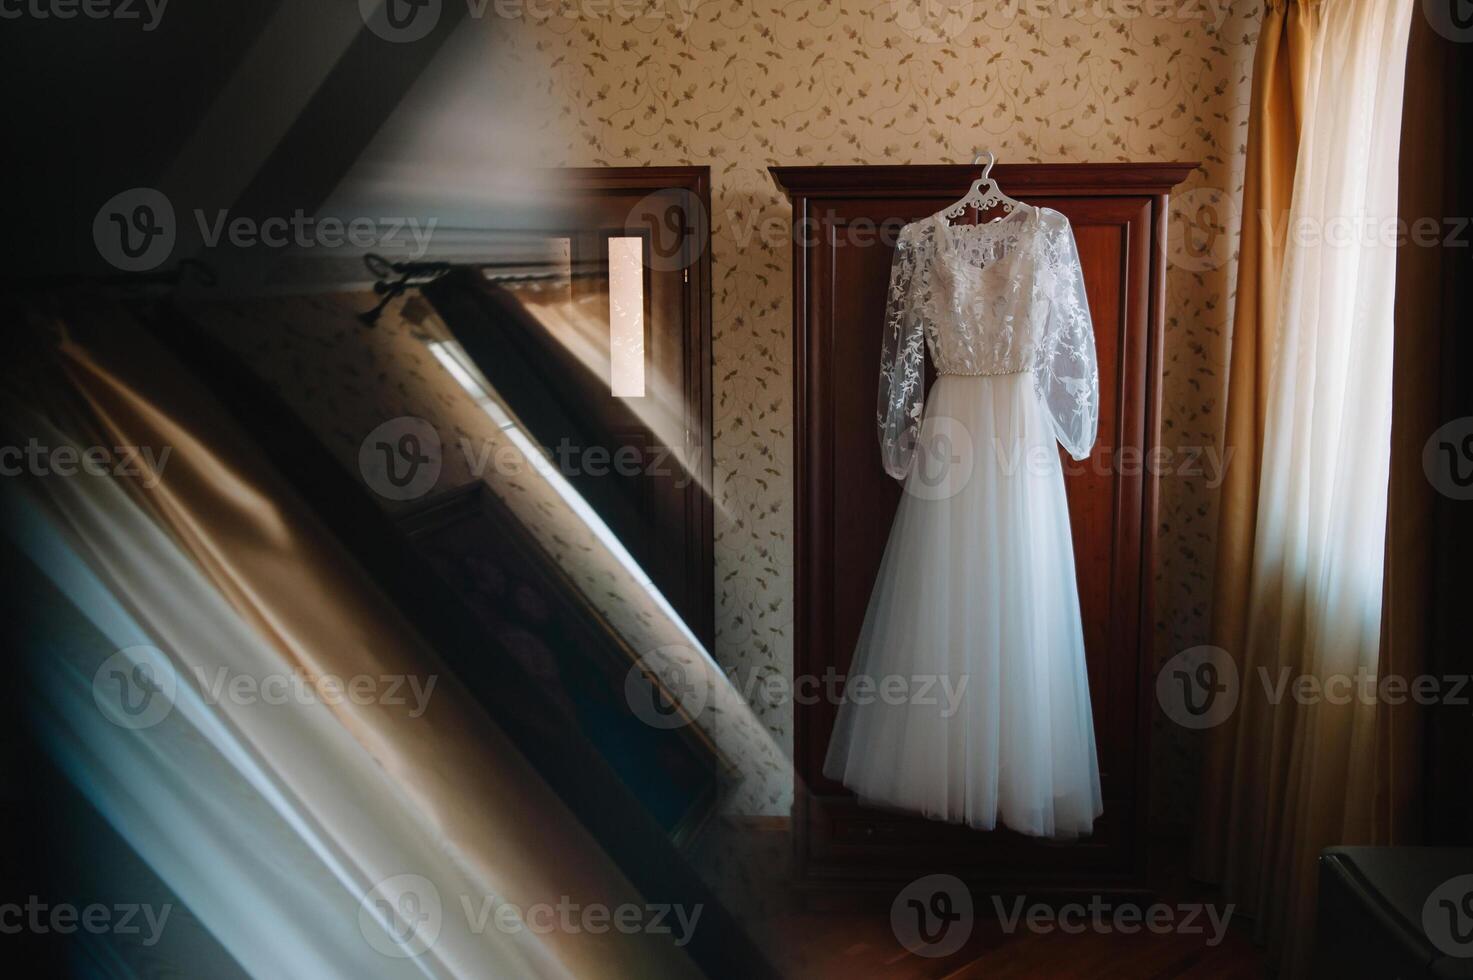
x=1315 y=601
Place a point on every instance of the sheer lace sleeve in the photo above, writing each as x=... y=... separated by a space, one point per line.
x=903 y=359
x=1066 y=375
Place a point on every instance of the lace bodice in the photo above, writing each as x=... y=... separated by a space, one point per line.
x=1001 y=297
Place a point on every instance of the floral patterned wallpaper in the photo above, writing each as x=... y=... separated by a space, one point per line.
x=741 y=85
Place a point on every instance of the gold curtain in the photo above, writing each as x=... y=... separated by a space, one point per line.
x=1272 y=790
x=1280 y=70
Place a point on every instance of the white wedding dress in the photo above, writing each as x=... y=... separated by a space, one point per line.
x=976 y=594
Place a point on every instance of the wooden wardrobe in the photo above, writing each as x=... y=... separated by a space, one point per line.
x=844 y=223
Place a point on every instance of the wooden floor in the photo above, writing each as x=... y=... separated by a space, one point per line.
x=854 y=946
x=805 y=937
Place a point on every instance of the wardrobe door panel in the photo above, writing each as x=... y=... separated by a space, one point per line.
x=846 y=503
x=1104 y=490
x=854 y=515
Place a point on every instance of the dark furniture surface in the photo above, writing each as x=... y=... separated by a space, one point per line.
x=642 y=463
x=845 y=220
x=1395 y=912
x=536 y=612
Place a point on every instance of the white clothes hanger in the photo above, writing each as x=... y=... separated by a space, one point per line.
x=984 y=194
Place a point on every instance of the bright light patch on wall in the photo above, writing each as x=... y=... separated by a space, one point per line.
x=626 y=317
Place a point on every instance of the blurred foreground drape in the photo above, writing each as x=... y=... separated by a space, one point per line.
x=1303 y=514
x=218 y=566
x=191 y=794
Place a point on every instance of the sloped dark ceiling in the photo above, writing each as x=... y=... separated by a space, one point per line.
x=98 y=105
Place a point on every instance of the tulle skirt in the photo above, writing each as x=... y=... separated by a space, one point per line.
x=968 y=699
